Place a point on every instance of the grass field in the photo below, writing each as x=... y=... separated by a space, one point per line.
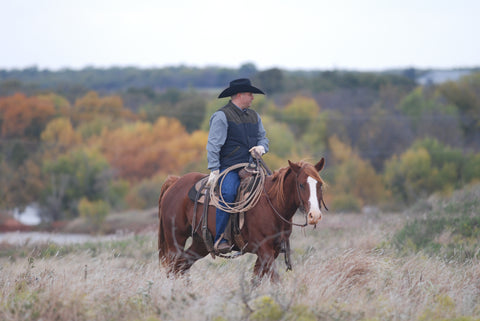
x=346 y=269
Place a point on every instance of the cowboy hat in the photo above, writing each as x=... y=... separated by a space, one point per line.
x=241 y=85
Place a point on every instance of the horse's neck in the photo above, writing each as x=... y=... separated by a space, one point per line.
x=290 y=206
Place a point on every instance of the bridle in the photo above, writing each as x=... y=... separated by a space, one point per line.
x=301 y=207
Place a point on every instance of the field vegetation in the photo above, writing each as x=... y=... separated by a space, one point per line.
x=371 y=266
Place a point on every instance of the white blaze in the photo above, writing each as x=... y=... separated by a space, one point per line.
x=315 y=213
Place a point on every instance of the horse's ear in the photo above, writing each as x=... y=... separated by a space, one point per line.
x=294 y=167
x=320 y=165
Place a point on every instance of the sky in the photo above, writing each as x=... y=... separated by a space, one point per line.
x=294 y=35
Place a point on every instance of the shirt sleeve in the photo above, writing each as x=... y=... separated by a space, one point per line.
x=262 y=135
x=216 y=138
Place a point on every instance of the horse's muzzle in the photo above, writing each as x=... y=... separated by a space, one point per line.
x=313 y=217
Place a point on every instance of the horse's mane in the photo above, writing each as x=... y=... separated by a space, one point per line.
x=276 y=191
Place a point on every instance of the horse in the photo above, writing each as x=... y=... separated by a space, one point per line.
x=267 y=226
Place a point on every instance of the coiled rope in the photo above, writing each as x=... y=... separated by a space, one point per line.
x=260 y=172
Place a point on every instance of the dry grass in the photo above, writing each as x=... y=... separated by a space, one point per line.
x=341 y=272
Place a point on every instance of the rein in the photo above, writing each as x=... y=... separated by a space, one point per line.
x=302 y=208
x=280 y=215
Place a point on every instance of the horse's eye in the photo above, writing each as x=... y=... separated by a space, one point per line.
x=302 y=186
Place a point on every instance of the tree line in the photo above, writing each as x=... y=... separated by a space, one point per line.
x=387 y=140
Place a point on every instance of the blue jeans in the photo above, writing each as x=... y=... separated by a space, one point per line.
x=229 y=192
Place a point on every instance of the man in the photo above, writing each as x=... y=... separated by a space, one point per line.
x=236 y=134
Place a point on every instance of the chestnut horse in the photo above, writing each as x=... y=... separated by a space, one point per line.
x=267 y=225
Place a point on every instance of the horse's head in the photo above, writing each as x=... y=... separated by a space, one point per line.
x=309 y=189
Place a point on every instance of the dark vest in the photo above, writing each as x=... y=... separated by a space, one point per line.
x=241 y=136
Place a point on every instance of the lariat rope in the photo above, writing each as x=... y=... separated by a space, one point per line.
x=252 y=198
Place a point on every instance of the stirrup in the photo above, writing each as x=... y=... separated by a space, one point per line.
x=225 y=248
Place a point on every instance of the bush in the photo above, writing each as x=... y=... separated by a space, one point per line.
x=451 y=230
x=94 y=211
x=346 y=203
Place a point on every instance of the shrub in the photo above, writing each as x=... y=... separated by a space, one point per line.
x=94 y=211
x=451 y=230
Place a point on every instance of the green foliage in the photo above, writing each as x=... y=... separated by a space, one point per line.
x=270 y=81
x=443 y=309
x=464 y=94
x=354 y=181
x=116 y=193
x=94 y=211
x=346 y=203
x=266 y=309
x=282 y=141
x=145 y=194
x=428 y=167
x=188 y=107
x=73 y=176
x=300 y=113
x=452 y=230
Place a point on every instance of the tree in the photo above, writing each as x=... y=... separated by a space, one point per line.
x=354 y=181
x=430 y=117
x=270 y=81
x=93 y=211
x=282 y=141
x=59 y=135
x=76 y=174
x=300 y=113
x=142 y=150
x=20 y=186
x=24 y=117
x=465 y=95
x=428 y=167
x=91 y=106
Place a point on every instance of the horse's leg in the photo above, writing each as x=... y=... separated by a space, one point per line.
x=175 y=239
x=265 y=265
x=195 y=251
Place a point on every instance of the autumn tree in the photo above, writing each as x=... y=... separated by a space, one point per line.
x=92 y=106
x=354 y=183
x=22 y=185
x=59 y=135
x=24 y=117
x=141 y=150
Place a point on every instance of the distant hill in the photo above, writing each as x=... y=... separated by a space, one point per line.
x=118 y=79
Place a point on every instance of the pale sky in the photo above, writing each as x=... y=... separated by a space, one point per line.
x=297 y=34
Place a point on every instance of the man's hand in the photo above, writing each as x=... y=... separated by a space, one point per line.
x=212 y=179
x=257 y=151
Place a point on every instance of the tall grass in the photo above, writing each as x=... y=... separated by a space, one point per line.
x=341 y=272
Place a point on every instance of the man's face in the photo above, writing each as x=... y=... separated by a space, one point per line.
x=245 y=100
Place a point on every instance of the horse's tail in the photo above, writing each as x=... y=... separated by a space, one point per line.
x=162 y=246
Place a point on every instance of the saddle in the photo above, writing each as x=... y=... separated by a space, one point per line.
x=236 y=221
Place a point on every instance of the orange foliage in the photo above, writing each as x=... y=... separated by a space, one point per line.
x=92 y=106
x=142 y=150
x=22 y=116
x=59 y=135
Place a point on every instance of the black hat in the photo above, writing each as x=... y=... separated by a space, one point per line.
x=241 y=85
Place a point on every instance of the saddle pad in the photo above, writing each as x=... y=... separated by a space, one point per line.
x=192 y=193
